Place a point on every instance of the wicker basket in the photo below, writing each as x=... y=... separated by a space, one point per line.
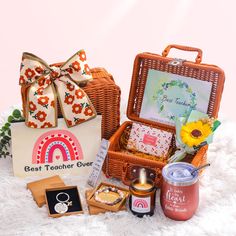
x=105 y=96
x=119 y=164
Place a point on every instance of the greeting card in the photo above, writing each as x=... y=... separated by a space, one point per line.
x=167 y=96
x=58 y=150
x=149 y=140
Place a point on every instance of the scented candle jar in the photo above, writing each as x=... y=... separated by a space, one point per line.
x=142 y=198
x=179 y=191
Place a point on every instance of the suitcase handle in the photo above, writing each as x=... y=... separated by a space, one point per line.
x=184 y=48
x=128 y=182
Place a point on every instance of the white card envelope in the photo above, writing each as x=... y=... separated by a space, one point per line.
x=149 y=140
x=59 y=150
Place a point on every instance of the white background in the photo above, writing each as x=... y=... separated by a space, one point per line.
x=112 y=33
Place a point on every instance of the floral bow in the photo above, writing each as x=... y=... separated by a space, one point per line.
x=46 y=84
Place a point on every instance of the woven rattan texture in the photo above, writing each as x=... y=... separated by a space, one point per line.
x=105 y=96
x=118 y=163
x=146 y=61
x=187 y=71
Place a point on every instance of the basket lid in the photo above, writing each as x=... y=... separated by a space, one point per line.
x=163 y=88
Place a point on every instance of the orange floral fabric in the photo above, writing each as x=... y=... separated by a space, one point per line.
x=49 y=83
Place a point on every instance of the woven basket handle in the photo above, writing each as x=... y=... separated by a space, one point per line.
x=184 y=48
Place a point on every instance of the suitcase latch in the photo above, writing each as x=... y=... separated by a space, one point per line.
x=177 y=62
x=151 y=174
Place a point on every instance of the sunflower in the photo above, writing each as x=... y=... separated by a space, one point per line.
x=194 y=133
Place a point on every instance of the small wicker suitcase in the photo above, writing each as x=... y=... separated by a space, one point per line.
x=105 y=96
x=124 y=166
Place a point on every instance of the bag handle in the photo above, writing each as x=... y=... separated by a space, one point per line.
x=184 y=48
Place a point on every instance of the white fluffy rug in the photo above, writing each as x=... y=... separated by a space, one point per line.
x=216 y=214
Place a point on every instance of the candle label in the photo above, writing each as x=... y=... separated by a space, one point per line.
x=141 y=205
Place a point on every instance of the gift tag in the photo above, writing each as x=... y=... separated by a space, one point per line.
x=97 y=164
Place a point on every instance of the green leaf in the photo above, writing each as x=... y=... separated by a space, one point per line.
x=6 y=138
x=9 y=132
x=4 y=128
x=189 y=90
x=3 y=141
x=216 y=125
x=16 y=113
x=67 y=94
x=7 y=125
x=10 y=119
x=161 y=108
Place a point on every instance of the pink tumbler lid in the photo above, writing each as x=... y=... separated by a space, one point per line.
x=179 y=174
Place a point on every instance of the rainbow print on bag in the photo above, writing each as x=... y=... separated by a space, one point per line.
x=56 y=144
